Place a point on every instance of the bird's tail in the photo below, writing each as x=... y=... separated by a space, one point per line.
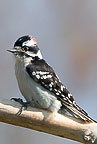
x=78 y=112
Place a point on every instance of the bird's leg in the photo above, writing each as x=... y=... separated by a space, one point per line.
x=24 y=105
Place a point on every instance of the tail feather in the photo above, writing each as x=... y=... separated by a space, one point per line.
x=78 y=112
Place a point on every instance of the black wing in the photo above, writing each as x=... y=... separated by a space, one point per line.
x=43 y=74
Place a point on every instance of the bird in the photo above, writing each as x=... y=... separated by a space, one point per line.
x=38 y=82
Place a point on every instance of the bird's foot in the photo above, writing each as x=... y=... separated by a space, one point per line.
x=24 y=105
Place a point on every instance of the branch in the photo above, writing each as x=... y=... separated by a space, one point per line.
x=44 y=121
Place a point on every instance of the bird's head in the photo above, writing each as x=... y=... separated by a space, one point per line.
x=25 y=47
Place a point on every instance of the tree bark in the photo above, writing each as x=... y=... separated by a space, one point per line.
x=45 y=121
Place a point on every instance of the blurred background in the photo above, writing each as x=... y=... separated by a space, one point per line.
x=66 y=32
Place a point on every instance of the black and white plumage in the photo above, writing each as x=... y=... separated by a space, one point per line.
x=38 y=82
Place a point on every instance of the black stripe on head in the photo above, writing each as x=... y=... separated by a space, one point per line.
x=31 y=49
x=21 y=40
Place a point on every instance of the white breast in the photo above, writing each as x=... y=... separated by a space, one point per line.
x=34 y=91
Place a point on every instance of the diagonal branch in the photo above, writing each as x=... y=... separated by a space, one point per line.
x=44 y=121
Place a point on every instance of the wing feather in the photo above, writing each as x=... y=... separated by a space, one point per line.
x=42 y=73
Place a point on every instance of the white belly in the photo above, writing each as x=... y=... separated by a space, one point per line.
x=34 y=91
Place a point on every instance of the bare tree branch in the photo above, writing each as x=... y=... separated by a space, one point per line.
x=44 y=121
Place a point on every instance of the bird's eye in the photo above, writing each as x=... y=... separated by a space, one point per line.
x=25 y=48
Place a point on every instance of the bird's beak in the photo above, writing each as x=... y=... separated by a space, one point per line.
x=12 y=51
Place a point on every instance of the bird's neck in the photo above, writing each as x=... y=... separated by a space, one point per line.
x=27 y=61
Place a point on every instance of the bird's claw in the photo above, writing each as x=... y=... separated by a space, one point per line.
x=24 y=105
